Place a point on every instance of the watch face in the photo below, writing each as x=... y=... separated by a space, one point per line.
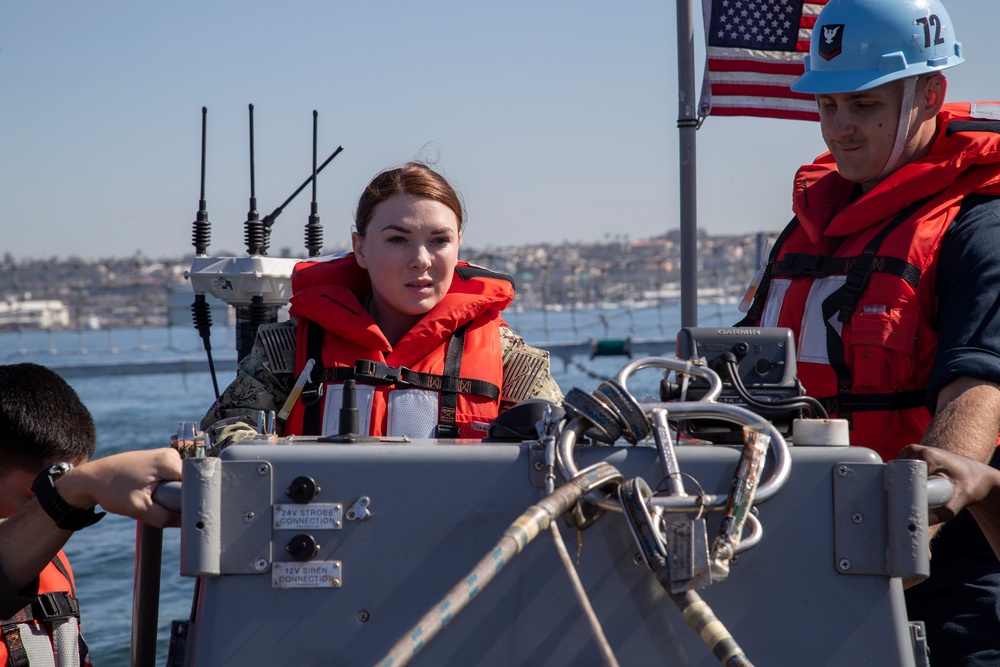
x=60 y=469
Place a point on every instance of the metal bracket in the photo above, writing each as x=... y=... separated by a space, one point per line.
x=230 y=506
x=880 y=519
x=359 y=510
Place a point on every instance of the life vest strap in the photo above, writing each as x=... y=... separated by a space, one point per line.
x=756 y=310
x=312 y=415
x=800 y=264
x=377 y=373
x=17 y=656
x=47 y=607
x=870 y=262
x=848 y=403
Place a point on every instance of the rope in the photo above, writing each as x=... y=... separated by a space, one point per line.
x=581 y=596
x=517 y=536
x=699 y=617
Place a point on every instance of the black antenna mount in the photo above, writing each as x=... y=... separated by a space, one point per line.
x=255 y=235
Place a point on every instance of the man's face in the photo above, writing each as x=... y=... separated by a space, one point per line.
x=860 y=130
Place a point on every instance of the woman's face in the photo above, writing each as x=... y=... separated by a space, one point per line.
x=410 y=250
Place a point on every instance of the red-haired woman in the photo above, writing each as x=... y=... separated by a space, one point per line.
x=419 y=332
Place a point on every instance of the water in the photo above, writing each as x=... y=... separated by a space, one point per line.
x=141 y=412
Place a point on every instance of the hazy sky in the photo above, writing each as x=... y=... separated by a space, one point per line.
x=556 y=120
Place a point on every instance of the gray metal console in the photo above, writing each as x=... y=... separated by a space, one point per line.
x=381 y=532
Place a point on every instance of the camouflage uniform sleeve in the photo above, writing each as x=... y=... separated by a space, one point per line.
x=526 y=372
x=263 y=381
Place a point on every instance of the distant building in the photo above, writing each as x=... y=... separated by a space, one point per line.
x=33 y=314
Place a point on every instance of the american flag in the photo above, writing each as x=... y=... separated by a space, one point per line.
x=755 y=51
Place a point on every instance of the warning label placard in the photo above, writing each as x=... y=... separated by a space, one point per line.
x=313 y=574
x=315 y=516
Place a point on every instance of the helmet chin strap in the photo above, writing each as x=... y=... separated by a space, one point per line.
x=903 y=130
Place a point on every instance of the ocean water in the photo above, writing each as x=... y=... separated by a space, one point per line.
x=134 y=412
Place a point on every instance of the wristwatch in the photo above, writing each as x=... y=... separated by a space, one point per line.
x=65 y=515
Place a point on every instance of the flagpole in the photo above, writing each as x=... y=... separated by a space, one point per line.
x=687 y=125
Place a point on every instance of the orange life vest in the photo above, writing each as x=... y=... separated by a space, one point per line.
x=442 y=379
x=48 y=630
x=856 y=280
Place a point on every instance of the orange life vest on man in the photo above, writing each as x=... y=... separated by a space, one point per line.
x=47 y=632
x=856 y=280
x=442 y=379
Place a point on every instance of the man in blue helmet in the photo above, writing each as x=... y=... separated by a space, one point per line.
x=889 y=274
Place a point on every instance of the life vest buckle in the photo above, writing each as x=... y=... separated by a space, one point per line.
x=401 y=382
x=802 y=264
x=51 y=606
x=375 y=372
x=854 y=284
x=858 y=273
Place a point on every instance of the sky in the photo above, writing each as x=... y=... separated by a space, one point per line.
x=555 y=119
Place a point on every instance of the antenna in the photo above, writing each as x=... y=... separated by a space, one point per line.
x=201 y=312
x=314 y=231
x=269 y=219
x=254 y=234
x=202 y=234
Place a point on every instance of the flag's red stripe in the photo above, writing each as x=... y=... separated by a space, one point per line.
x=756 y=66
x=751 y=90
x=789 y=114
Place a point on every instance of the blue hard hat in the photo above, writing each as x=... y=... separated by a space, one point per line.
x=861 y=44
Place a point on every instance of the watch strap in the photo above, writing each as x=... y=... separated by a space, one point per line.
x=65 y=515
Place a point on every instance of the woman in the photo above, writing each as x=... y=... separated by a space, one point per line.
x=419 y=332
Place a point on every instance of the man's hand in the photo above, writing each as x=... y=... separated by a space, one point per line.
x=123 y=484
x=976 y=487
x=973 y=482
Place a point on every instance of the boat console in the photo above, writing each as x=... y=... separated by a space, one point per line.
x=611 y=534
